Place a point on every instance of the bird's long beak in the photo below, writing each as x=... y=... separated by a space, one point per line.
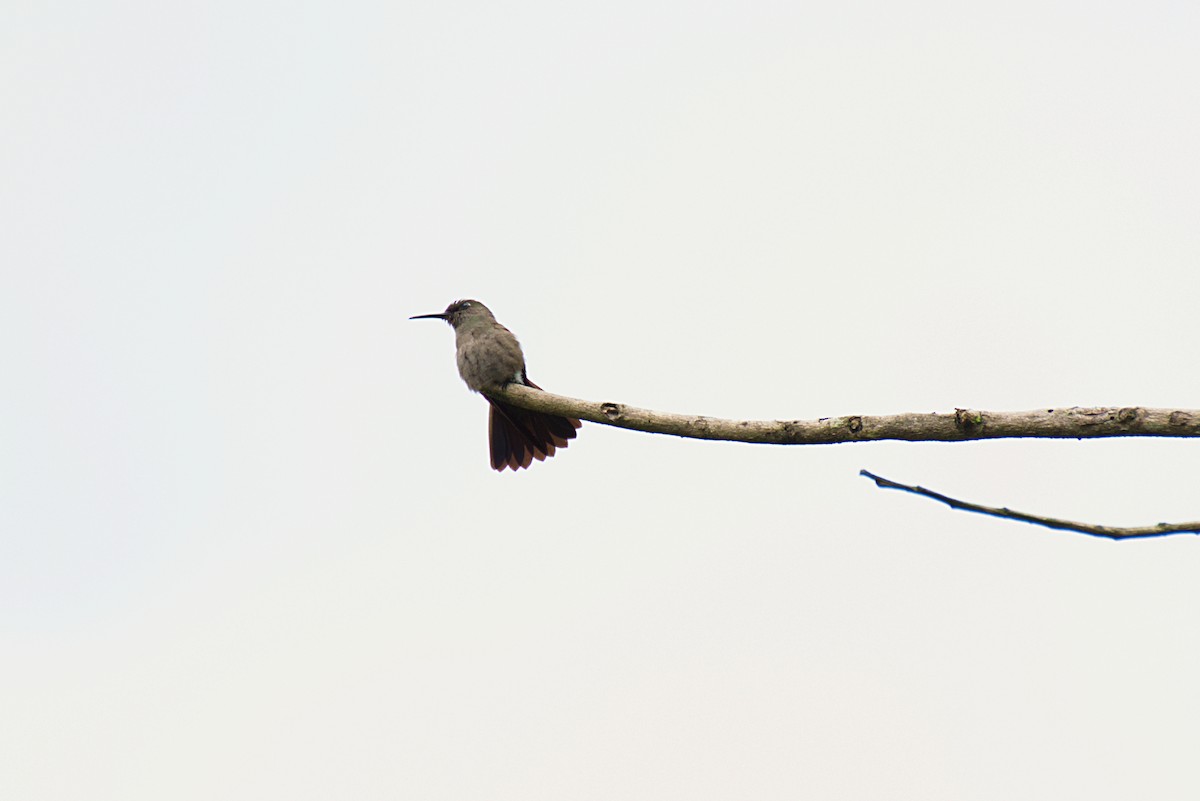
x=438 y=316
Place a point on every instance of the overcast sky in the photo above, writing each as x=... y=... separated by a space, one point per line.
x=250 y=545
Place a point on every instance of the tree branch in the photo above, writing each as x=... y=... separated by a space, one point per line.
x=961 y=426
x=1109 y=532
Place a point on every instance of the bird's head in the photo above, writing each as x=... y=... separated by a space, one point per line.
x=460 y=312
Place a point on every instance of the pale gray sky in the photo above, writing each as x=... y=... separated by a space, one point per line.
x=250 y=546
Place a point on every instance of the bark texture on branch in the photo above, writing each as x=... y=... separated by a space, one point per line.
x=959 y=426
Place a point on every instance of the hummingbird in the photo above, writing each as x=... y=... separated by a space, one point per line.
x=489 y=357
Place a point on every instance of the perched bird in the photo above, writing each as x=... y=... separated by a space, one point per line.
x=489 y=357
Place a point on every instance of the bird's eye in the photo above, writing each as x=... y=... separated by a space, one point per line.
x=464 y=304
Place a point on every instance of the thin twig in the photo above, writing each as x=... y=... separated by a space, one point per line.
x=958 y=426
x=1110 y=532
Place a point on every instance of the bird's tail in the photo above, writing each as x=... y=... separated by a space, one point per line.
x=518 y=436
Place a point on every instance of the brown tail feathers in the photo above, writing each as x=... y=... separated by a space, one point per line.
x=518 y=436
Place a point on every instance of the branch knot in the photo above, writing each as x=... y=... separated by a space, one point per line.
x=968 y=419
